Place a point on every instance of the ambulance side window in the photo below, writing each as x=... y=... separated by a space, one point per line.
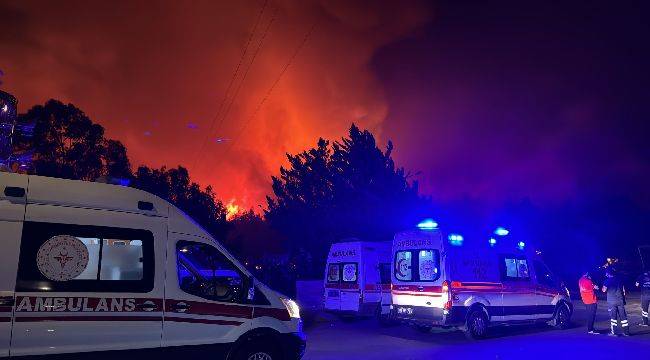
x=205 y=272
x=514 y=268
x=544 y=275
x=83 y=258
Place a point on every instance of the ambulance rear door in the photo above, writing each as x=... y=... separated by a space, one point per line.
x=13 y=188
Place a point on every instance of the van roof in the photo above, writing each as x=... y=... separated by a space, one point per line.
x=94 y=195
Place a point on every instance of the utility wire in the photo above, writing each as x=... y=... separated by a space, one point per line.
x=232 y=81
x=270 y=90
x=250 y=65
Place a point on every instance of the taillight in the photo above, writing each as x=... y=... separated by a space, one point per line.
x=446 y=293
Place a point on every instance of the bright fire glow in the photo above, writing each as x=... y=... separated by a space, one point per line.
x=232 y=209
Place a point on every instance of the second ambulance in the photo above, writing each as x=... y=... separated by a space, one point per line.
x=440 y=280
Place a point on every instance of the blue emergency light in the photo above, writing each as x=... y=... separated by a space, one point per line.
x=428 y=224
x=493 y=241
x=521 y=245
x=501 y=231
x=455 y=239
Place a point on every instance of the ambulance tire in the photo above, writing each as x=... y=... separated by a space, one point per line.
x=260 y=348
x=424 y=328
x=562 y=319
x=476 y=326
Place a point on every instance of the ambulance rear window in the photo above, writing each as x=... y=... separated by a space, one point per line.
x=425 y=262
x=350 y=272
x=333 y=273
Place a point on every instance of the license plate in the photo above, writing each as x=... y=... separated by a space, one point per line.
x=401 y=310
x=333 y=293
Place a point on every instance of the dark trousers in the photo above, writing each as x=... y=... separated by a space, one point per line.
x=591 y=315
x=645 y=307
x=617 y=314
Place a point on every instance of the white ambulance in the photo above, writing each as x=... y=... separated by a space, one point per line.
x=357 y=278
x=439 y=279
x=90 y=267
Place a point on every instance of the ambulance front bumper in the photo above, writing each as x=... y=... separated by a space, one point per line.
x=430 y=316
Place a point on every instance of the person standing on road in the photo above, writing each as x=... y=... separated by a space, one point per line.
x=588 y=296
x=613 y=286
x=643 y=282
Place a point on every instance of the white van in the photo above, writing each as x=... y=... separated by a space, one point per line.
x=439 y=279
x=91 y=267
x=357 y=278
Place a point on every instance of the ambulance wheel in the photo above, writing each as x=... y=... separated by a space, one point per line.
x=477 y=325
x=258 y=351
x=423 y=328
x=562 y=317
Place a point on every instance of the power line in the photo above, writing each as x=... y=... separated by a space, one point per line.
x=232 y=80
x=250 y=65
x=270 y=90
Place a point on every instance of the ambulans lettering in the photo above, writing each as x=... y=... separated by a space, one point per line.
x=342 y=253
x=75 y=304
x=414 y=243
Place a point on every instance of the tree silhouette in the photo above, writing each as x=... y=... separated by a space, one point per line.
x=67 y=144
x=175 y=186
x=350 y=188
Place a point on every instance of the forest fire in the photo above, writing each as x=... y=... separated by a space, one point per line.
x=232 y=209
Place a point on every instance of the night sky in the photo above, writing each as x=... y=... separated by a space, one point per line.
x=533 y=113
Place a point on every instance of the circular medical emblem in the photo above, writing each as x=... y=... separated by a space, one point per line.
x=62 y=258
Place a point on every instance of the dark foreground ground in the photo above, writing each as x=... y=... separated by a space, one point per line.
x=331 y=338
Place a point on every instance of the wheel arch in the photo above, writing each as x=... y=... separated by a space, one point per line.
x=252 y=336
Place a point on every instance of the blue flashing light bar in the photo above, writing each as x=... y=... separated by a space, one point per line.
x=493 y=241
x=455 y=239
x=428 y=224
x=501 y=231
x=521 y=245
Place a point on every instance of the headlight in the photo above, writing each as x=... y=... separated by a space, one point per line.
x=292 y=308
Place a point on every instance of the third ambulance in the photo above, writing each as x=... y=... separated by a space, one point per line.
x=357 y=278
x=439 y=279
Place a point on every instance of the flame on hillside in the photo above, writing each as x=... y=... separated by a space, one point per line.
x=232 y=209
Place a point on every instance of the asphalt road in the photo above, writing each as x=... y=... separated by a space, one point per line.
x=331 y=338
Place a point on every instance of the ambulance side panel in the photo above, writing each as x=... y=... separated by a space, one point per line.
x=12 y=213
x=116 y=303
x=476 y=280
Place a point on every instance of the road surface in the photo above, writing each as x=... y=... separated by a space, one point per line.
x=331 y=338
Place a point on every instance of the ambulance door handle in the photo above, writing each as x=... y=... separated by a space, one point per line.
x=180 y=307
x=147 y=306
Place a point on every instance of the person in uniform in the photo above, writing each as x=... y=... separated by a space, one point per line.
x=643 y=282
x=615 y=290
x=588 y=296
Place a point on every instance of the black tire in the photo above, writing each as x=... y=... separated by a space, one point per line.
x=423 y=328
x=476 y=326
x=562 y=318
x=258 y=350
